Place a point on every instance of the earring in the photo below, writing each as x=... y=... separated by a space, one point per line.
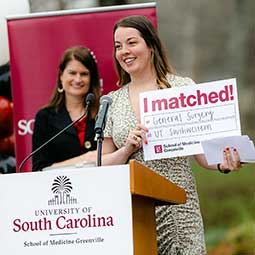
x=152 y=57
x=60 y=90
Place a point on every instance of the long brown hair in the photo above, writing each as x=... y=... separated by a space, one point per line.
x=152 y=40
x=87 y=58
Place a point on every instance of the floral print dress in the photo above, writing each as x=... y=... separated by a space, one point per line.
x=179 y=227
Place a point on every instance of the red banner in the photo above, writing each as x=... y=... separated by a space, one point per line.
x=36 y=43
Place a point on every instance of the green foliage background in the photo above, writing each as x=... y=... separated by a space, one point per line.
x=228 y=207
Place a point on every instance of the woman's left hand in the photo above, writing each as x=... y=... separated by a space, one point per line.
x=230 y=162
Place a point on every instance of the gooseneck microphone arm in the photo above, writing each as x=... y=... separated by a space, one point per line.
x=105 y=102
x=89 y=99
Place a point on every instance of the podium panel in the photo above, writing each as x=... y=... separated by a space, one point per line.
x=75 y=211
x=91 y=210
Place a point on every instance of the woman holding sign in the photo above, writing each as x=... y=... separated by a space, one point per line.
x=142 y=65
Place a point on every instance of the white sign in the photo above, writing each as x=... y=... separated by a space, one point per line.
x=67 y=211
x=180 y=118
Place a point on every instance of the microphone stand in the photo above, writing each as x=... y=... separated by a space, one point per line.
x=52 y=138
x=105 y=102
x=100 y=138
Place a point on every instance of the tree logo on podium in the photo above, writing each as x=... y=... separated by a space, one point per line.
x=61 y=189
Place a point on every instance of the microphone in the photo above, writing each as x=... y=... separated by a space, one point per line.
x=105 y=102
x=89 y=100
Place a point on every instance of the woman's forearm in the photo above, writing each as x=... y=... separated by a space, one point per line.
x=117 y=157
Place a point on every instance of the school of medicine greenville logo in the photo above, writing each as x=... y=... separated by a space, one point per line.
x=158 y=148
x=61 y=189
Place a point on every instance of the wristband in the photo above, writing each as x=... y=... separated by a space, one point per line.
x=226 y=171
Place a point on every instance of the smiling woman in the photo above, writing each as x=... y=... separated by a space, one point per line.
x=142 y=66
x=75 y=81
x=77 y=77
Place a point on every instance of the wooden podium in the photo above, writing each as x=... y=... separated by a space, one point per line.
x=148 y=190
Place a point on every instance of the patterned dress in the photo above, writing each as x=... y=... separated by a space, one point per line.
x=179 y=227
